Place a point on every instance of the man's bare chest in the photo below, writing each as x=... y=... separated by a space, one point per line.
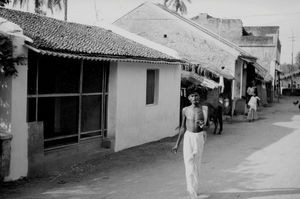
x=194 y=114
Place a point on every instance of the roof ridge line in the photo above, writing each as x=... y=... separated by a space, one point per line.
x=129 y=12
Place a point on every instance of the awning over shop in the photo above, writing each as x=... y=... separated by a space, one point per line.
x=198 y=80
x=218 y=71
x=279 y=71
x=260 y=70
x=268 y=78
x=201 y=69
x=221 y=72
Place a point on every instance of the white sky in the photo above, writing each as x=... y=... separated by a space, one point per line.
x=283 y=13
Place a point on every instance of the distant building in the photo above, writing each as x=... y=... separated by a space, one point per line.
x=231 y=29
x=291 y=80
x=261 y=41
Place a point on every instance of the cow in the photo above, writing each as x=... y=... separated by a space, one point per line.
x=215 y=114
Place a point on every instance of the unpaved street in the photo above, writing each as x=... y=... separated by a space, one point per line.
x=259 y=160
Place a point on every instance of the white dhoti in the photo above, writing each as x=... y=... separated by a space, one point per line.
x=192 y=154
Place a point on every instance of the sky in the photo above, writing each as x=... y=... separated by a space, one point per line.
x=282 y=13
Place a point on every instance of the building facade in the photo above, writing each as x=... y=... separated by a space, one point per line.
x=81 y=91
x=195 y=43
x=260 y=41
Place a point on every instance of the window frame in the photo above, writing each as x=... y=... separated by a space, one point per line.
x=155 y=97
x=103 y=96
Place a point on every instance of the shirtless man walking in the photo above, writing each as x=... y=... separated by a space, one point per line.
x=194 y=118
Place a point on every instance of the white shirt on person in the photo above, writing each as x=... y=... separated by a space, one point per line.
x=253 y=102
x=251 y=90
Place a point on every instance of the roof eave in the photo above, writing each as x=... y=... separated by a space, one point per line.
x=104 y=57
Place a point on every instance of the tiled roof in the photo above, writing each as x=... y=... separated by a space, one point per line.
x=81 y=40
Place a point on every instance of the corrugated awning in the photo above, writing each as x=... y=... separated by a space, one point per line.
x=188 y=66
x=226 y=74
x=198 y=80
x=260 y=69
x=213 y=69
x=263 y=72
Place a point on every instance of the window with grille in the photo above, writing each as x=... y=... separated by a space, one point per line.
x=69 y=96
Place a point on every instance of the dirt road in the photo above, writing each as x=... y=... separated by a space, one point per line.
x=257 y=160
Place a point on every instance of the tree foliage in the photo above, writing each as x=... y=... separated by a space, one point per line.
x=178 y=5
x=38 y=5
x=7 y=61
x=4 y=2
x=54 y=3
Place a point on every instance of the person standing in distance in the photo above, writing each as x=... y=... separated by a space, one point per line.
x=252 y=105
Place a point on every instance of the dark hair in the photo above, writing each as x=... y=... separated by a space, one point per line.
x=194 y=92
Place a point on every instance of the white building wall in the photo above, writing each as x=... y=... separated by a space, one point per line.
x=19 y=143
x=13 y=98
x=158 y=25
x=137 y=123
x=112 y=102
x=272 y=71
x=238 y=79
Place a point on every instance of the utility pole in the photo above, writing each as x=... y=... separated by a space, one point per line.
x=292 y=62
x=65 y=10
x=97 y=12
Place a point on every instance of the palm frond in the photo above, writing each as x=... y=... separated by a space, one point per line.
x=38 y=4
x=58 y=3
x=178 y=5
x=38 y=7
x=170 y=2
x=4 y=2
x=50 y=5
x=21 y=2
x=183 y=8
x=54 y=3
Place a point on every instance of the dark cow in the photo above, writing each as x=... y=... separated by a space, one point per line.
x=295 y=103
x=215 y=115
